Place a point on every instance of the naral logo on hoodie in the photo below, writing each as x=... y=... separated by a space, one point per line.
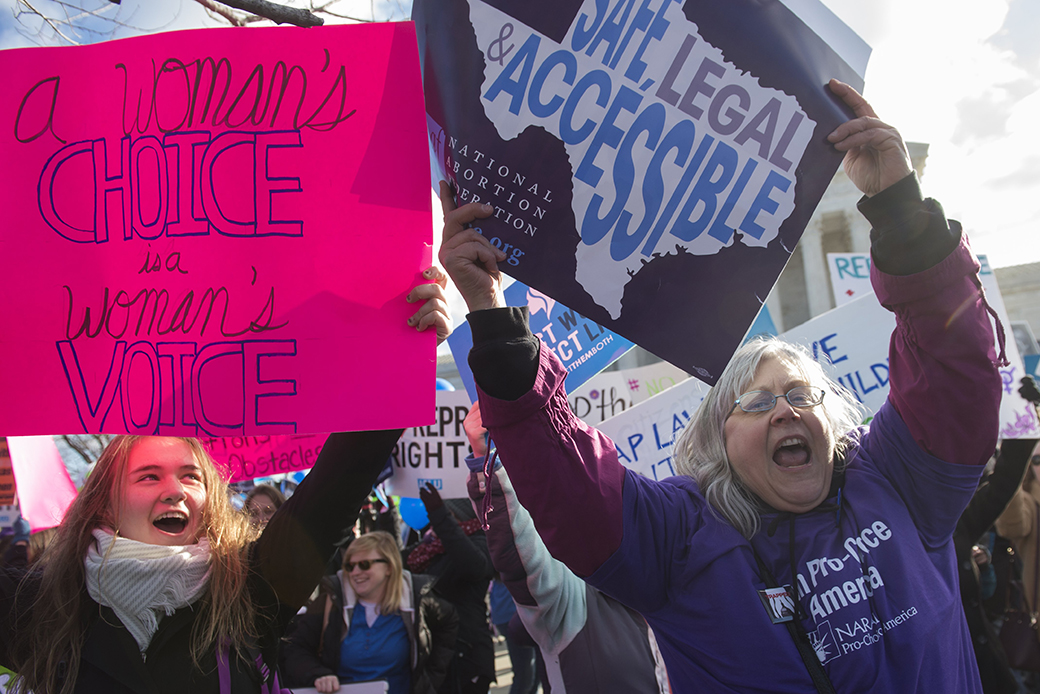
x=822 y=641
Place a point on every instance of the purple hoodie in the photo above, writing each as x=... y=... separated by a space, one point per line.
x=877 y=581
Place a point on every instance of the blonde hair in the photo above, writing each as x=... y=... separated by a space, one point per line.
x=385 y=544
x=39 y=541
x=700 y=451
x=59 y=608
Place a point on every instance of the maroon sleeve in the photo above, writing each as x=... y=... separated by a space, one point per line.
x=565 y=473
x=942 y=362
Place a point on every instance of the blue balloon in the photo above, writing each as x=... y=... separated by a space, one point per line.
x=413 y=512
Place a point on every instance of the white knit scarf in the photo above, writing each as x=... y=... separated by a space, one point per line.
x=142 y=582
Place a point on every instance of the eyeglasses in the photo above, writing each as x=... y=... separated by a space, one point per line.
x=762 y=400
x=364 y=564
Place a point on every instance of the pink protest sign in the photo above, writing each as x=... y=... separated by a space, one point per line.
x=248 y=457
x=212 y=233
x=45 y=489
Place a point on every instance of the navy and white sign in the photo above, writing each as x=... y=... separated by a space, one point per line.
x=584 y=347
x=651 y=163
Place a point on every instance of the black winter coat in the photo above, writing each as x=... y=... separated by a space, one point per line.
x=982 y=512
x=286 y=564
x=463 y=574
x=432 y=634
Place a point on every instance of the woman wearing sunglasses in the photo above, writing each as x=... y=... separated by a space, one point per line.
x=796 y=551
x=373 y=621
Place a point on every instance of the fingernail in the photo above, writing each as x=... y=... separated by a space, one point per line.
x=486 y=207
x=411 y=321
x=428 y=273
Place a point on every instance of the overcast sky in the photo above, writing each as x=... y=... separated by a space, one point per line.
x=964 y=77
x=960 y=75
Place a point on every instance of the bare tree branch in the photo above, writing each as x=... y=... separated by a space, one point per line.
x=89 y=446
x=347 y=16
x=279 y=14
x=223 y=12
x=50 y=22
x=47 y=22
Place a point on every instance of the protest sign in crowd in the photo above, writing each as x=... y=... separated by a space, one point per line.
x=218 y=258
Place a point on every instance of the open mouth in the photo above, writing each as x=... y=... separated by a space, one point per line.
x=172 y=523
x=792 y=452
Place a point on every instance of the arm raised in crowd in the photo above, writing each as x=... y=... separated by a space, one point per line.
x=993 y=497
x=550 y=598
x=944 y=381
x=518 y=389
x=294 y=548
x=468 y=553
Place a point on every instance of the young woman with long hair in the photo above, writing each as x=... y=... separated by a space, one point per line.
x=155 y=583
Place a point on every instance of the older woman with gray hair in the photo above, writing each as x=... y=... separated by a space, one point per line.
x=796 y=551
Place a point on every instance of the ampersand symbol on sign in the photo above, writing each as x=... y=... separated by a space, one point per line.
x=505 y=33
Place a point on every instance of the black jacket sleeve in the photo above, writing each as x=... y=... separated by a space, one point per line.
x=909 y=234
x=292 y=552
x=290 y=557
x=996 y=491
x=504 y=358
x=468 y=555
x=442 y=620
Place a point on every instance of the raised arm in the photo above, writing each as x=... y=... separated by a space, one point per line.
x=996 y=492
x=942 y=368
x=292 y=553
x=468 y=554
x=551 y=600
x=296 y=545
x=566 y=474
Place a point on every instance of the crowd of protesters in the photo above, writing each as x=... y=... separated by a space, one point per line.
x=710 y=581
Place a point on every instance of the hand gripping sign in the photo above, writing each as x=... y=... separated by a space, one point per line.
x=212 y=233
x=651 y=163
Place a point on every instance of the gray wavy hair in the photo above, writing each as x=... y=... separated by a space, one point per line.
x=700 y=451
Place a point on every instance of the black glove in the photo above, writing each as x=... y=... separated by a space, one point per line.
x=1029 y=390
x=431 y=498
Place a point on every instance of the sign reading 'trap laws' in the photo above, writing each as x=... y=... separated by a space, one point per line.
x=645 y=434
x=651 y=164
x=190 y=222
